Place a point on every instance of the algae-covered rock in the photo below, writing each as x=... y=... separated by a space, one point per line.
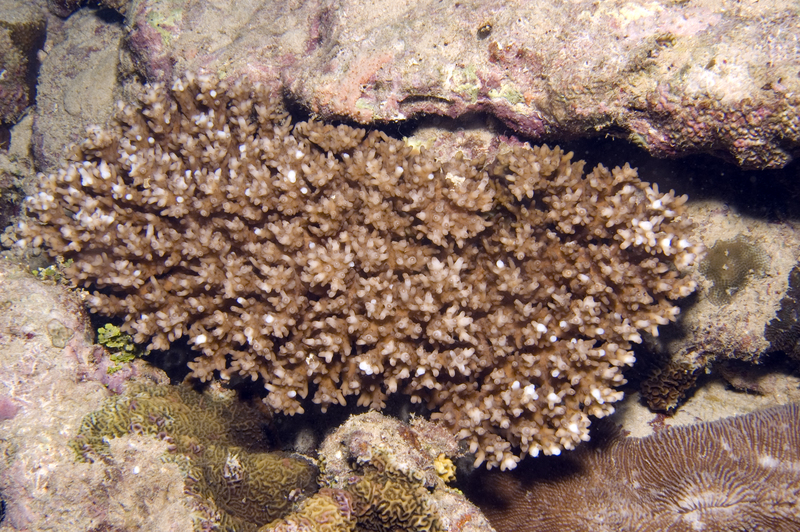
x=151 y=456
x=52 y=376
x=743 y=280
x=675 y=77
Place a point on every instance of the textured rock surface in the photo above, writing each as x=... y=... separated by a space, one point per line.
x=64 y=8
x=77 y=84
x=674 y=77
x=75 y=456
x=50 y=377
x=714 y=329
x=232 y=479
x=783 y=332
x=22 y=30
x=717 y=398
x=16 y=170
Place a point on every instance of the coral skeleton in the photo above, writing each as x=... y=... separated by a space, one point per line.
x=505 y=294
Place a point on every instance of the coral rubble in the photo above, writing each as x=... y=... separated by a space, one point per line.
x=330 y=262
x=737 y=473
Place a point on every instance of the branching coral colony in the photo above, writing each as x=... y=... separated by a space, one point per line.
x=504 y=294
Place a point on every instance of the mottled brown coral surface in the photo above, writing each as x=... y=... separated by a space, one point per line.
x=330 y=262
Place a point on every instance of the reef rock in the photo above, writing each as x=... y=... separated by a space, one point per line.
x=744 y=308
x=22 y=31
x=52 y=376
x=674 y=77
x=64 y=8
x=77 y=83
x=232 y=481
x=87 y=447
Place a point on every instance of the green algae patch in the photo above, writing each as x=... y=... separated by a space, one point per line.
x=120 y=346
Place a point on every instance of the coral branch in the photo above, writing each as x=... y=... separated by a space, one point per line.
x=504 y=294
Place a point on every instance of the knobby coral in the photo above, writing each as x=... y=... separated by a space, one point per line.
x=330 y=261
x=737 y=473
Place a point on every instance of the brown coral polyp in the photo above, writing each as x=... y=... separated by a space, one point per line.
x=504 y=294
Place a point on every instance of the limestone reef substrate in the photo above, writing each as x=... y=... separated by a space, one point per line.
x=504 y=294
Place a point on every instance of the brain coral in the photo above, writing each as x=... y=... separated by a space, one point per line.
x=328 y=510
x=219 y=445
x=734 y=474
x=379 y=474
x=331 y=262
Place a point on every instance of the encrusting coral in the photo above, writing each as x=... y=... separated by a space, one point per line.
x=729 y=265
x=330 y=261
